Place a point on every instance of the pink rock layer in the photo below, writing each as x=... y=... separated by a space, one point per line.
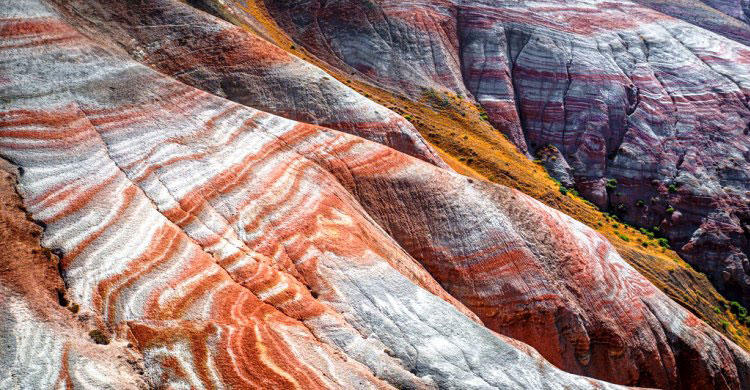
x=235 y=248
x=223 y=59
x=622 y=91
x=45 y=345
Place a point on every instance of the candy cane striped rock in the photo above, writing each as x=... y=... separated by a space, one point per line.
x=622 y=91
x=238 y=249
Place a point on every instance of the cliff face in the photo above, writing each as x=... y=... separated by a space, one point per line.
x=243 y=221
x=622 y=91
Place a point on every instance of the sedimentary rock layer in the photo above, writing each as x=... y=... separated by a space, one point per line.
x=223 y=59
x=44 y=345
x=703 y=15
x=623 y=91
x=738 y=9
x=240 y=249
x=195 y=227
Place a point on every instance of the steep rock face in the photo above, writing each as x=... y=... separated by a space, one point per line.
x=738 y=9
x=236 y=247
x=624 y=93
x=410 y=48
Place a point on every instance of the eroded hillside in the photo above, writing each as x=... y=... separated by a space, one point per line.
x=461 y=129
x=234 y=216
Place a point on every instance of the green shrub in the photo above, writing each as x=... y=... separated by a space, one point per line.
x=99 y=337
x=672 y=188
x=717 y=310
x=640 y=203
x=611 y=184
x=663 y=242
x=483 y=115
x=670 y=210
x=563 y=190
x=738 y=310
x=436 y=99
x=725 y=324
x=623 y=237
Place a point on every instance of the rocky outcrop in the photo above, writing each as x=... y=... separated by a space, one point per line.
x=738 y=9
x=702 y=14
x=44 y=341
x=624 y=92
x=274 y=278
x=554 y=163
x=223 y=59
x=236 y=248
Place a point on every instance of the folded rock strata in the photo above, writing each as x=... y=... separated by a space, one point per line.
x=235 y=248
x=622 y=91
x=220 y=58
x=704 y=14
x=41 y=344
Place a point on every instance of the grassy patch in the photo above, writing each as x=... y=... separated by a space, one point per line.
x=99 y=337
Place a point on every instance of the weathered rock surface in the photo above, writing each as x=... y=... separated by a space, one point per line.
x=624 y=92
x=554 y=163
x=223 y=59
x=702 y=14
x=738 y=9
x=42 y=345
x=240 y=249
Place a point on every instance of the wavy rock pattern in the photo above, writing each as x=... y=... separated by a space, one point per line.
x=41 y=345
x=705 y=16
x=621 y=90
x=223 y=59
x=239 y=249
